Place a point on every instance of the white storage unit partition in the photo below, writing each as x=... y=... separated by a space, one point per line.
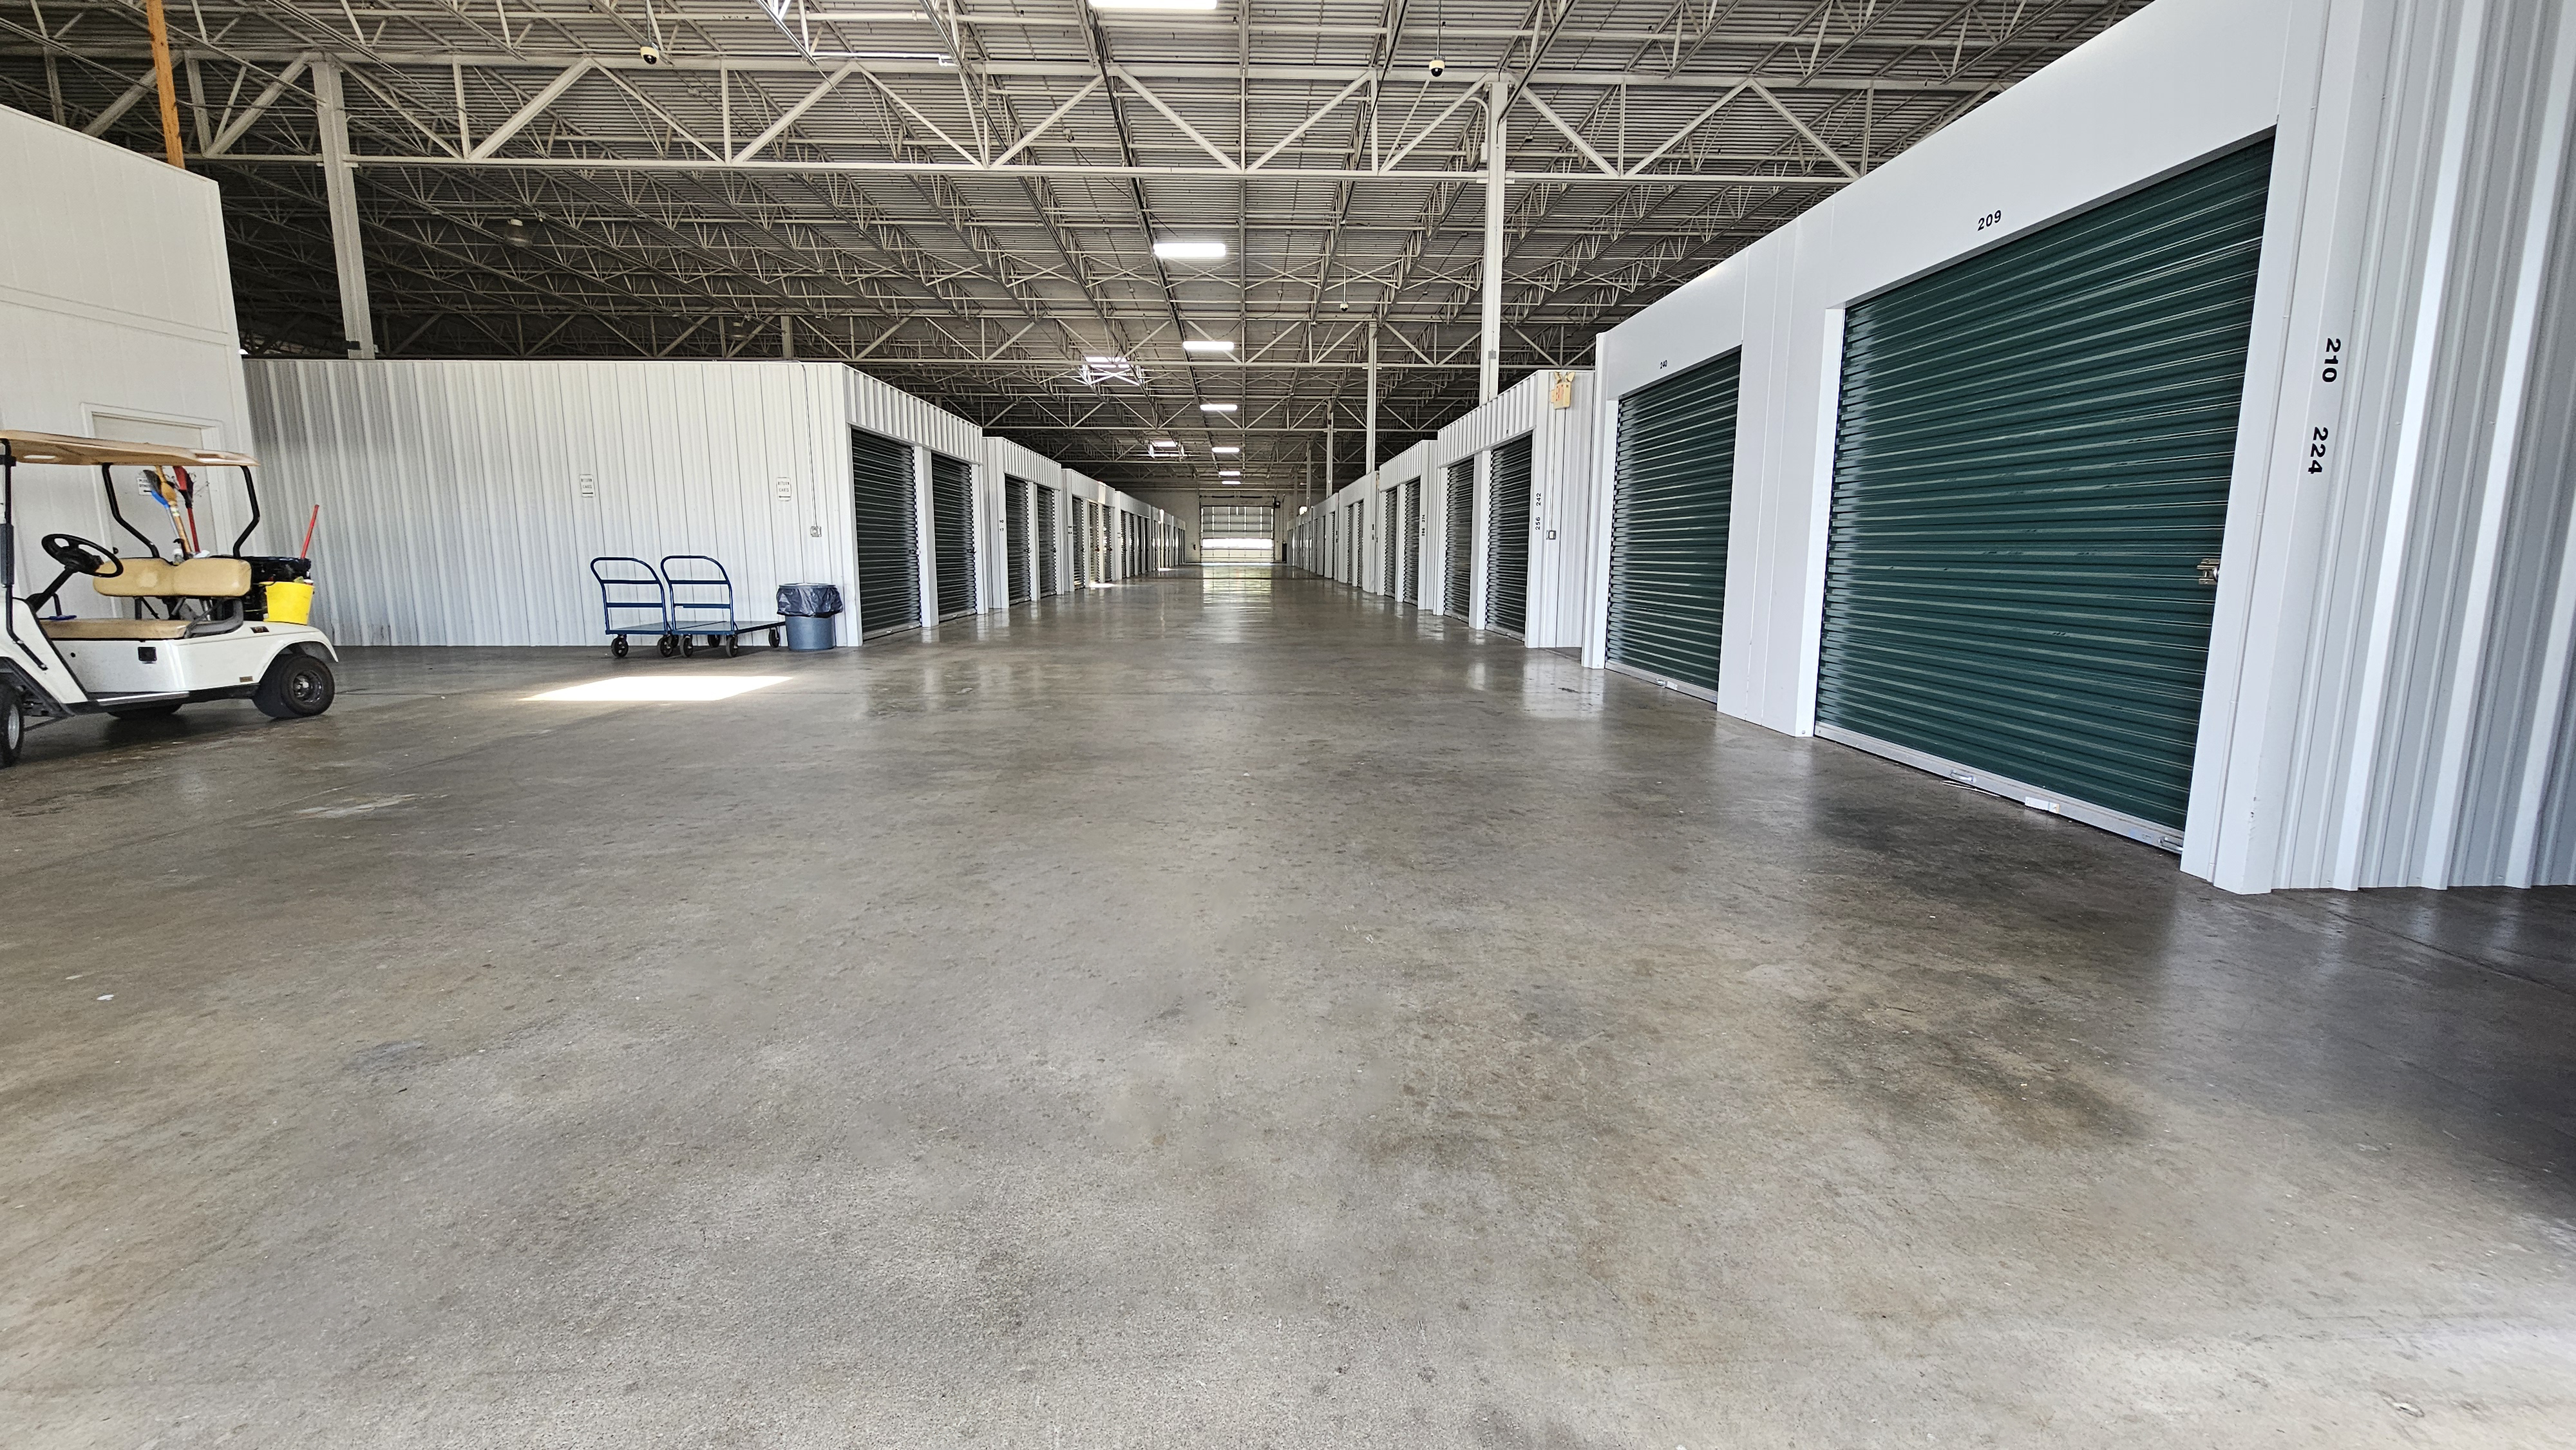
x=461 y=501
x=2391 y=608
x=1553 y=410
x=933 y=433
x=115 y=292
x=1014 y=469
x=1384 y=502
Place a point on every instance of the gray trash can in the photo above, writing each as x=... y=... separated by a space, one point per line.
x=808 y=610
x=809 y=631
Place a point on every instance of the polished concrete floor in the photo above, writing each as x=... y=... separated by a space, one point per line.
x=1225 y=1012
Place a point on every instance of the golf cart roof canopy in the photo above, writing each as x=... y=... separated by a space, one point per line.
x=28 y=447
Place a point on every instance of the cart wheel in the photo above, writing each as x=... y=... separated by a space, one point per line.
x=670 y=645
x=13 y=724
x=297 y=686
x=688 y=645
x=617 y=646
x=773 y=639
x=733 y=645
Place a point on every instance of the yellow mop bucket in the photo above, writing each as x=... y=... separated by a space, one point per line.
x=290 y=601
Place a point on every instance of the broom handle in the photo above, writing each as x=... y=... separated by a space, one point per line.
x=309 y=524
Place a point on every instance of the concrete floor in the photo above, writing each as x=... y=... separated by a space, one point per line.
x=1224 y=1013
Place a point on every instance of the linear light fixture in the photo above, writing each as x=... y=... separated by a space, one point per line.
x=1171 y=251
x=1223 y=448
x=1229 y=473
x=1207 y=344
x=1153 y=4
x=1216 y=407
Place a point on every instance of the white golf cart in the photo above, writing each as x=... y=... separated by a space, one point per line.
x=199 y=629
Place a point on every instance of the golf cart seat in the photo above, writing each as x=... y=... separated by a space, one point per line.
x=115 y=628
x=205 y=577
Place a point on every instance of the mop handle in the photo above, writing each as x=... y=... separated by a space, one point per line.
x=306 y=553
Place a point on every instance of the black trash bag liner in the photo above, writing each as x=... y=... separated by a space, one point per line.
x=812 y=600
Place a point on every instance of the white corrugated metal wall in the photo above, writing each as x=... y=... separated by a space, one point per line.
x=115 y=289
x=1563 y=512
x=1010 y=460
x=461 y=501
x=893 y=413
x=2387 y=699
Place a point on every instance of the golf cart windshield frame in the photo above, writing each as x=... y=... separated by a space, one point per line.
x=19 y=446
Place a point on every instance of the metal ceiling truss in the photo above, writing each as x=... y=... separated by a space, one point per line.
x=963 y=200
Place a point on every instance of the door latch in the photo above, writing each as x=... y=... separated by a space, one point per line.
x=2209 y=571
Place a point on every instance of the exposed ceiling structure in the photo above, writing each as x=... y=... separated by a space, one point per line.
x=964 y=199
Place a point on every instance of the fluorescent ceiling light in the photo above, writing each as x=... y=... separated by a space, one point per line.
x=1153 y=4
x=1225 y=448
x=1216 y=407
x=1165 y=443
x=1229 y=473
x=1190 y=251
x=1207 y=344
x=665 y=687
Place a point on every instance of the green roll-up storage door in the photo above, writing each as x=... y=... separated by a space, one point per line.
x=889 y=541
x=1047 y=534
x=952 y=525
x=1458 y=520
x=2032 y=464
x=1671 y=498
x=1015 y=536
x=1507 y=531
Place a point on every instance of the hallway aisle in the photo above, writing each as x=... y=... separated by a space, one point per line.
x=1224 y=1010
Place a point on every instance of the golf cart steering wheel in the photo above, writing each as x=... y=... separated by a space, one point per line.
x=80 y=556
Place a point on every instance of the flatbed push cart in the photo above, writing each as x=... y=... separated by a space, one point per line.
x=633 y=600
x=701 y=595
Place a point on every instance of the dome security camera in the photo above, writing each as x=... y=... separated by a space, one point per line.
x=1437 y=66
x=652 y=54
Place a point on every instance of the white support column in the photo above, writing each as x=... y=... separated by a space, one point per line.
x=1371 y=461
x=1489 y=355
x=340 y=189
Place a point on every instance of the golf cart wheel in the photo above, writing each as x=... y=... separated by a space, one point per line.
x=670 y=645
x=298 y=686
x=147 y=712
x=617 y=647
x=13 y=724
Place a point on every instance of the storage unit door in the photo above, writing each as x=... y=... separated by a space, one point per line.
x=1015 y=536
x=889 y=540
x=952 y=534
x=1080 y=542
x=1670 y=500
x=2030 y=474
x=1412 y=551
x=1047 y=536
x=1236 y=533
x=1387 y=534
x=1456 y=537
x=1507 y=531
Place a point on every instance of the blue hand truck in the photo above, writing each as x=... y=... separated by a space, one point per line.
x=632 y=589
x=708 y=614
